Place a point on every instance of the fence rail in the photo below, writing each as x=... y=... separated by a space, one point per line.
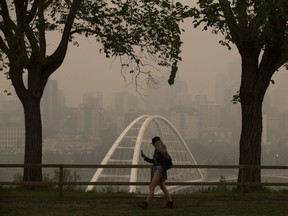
x=60 y=183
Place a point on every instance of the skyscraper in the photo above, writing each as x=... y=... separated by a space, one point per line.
x=221 y=89
x=185 y=120
x=89 y=115
x=52 y=104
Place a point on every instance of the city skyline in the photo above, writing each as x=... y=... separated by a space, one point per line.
x=86 y=70
x=176 y=103
x=90 y=100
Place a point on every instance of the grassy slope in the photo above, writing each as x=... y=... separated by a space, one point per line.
x=44 y=203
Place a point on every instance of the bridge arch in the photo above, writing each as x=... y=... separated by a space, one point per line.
x=136 y=136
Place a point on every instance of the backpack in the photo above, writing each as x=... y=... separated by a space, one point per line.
x=169 y=163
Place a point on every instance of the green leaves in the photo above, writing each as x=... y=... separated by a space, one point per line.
x=145 y=32
x=173 y=73
x=236 y=98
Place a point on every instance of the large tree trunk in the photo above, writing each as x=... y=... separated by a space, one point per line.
x=252 y=92
x=33 y=138
x=25 y=46
x=30 y=97
x=250 y=141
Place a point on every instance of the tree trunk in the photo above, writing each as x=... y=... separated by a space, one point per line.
x=250 y=141
x=33 y=137
x=252 y=91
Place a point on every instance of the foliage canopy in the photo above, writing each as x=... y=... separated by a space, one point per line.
x=140 y=32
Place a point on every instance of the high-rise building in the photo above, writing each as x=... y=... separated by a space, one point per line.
x=211 y=121
x=210 y=116
x=221 y=89
x=165 y=96
x=227 y=86
x=52 y=105
x=125 y=102
x=280 y=94
x=93 y=99
x=185 y=120
x=89 y=115
x=126 y=107
x=201 y=99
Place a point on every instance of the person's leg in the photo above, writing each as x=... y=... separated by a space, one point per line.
x=169 y=203
x=165 y=191
x=154 y=182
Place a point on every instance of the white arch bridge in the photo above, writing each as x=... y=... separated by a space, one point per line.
x=126 y=150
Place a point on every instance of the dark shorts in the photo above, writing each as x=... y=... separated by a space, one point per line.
x=158 y=170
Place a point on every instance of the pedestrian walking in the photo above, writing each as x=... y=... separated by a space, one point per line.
x=160 y=163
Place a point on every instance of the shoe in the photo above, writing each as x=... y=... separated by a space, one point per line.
x=169 y=205
x=143 y=205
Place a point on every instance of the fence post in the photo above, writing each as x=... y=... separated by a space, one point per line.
x=60 y=183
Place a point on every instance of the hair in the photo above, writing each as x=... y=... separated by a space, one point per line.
x=162 y=148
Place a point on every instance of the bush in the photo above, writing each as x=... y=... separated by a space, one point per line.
x=68 y=176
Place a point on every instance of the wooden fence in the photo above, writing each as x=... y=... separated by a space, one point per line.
x=60 y=183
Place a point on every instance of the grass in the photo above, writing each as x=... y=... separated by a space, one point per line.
x=20 y=202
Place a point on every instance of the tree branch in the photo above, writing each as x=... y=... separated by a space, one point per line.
x=3 y=46
x=42 y=37
x=231 y=21
x=276 y=51
x=32 y=13
x=20 y=12
x=242 y=15
x=55 y=60
x=259 y=19
x=6 y=21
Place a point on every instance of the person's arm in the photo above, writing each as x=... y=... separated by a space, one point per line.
x=147 y=159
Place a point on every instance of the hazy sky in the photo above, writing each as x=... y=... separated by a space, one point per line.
x=84 y=69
